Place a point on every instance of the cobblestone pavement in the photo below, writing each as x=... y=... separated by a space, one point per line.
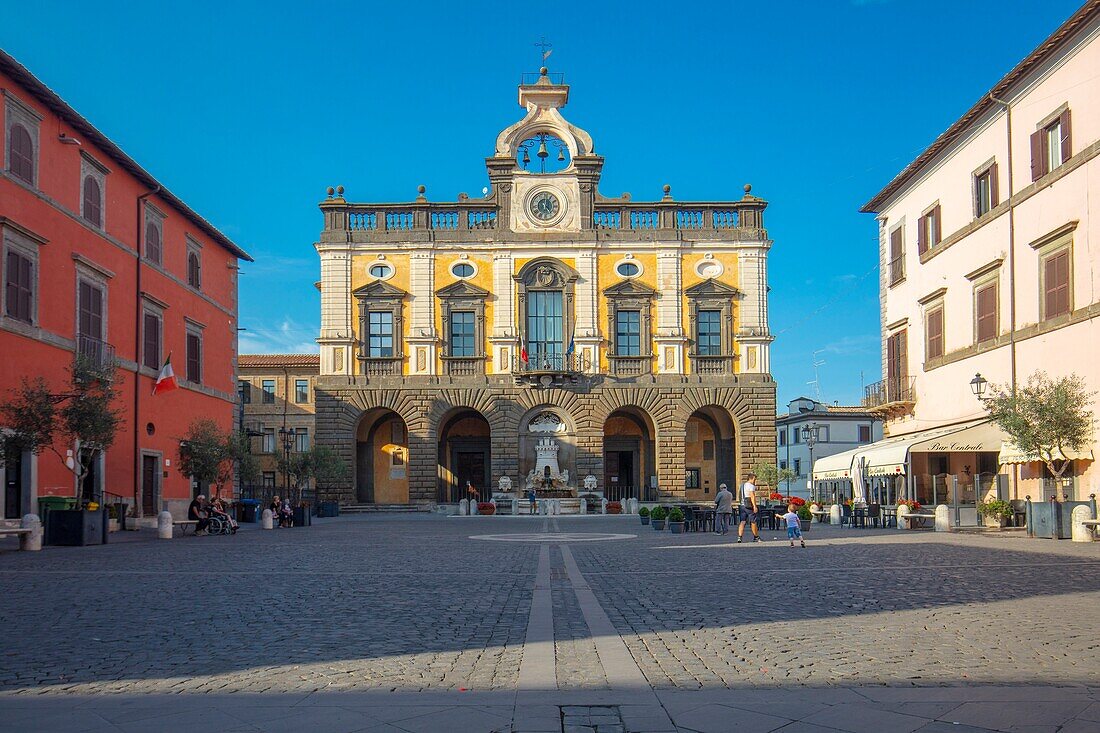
x=405 y=624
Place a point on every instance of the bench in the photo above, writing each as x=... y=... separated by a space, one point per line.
x=821 y=514
x=23 y=534
x=920 y=519
x=183 y=524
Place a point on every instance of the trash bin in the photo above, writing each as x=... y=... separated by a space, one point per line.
x=46 y=503
x=247 y=509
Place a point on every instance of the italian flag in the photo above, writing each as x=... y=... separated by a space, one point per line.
x=166 y=380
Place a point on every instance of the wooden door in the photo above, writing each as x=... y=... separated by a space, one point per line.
x=148 y=486
x=13 y=486
x=470 y=466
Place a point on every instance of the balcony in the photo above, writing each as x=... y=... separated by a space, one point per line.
x=384 y=367
x=464 y=367
x=630 y=366
x=711 y=365
x=96 y=353
x=549 y=370
x=891 y=396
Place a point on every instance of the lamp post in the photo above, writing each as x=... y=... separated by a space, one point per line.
x=809 y=437
x=287 y=436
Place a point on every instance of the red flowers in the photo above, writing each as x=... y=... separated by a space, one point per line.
x=486 y=507
x=614 y=507
x=914 y=506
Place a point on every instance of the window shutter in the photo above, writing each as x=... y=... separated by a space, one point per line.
x=1056 y=284
x=1067 y=148
x=1037 y=155
x=936 y=230
x=26 y=289
x=994 y=195
x=11 y=287
x=21 y=153
x=152 y=341
x=986 y=316
x=935 y=334
x=922 y=239
x=194 y=359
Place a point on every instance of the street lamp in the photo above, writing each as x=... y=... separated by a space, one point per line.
x=809 y=437
x=978 y=385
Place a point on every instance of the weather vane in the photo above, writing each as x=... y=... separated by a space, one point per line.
x=547 y=49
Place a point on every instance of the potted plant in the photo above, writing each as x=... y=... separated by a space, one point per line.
x=676 y=520
x=657 y=517
x=319 y=464
x=643 y=514
x=486 y=508
x=804 y=515
x=614 y=507
x=995 y=513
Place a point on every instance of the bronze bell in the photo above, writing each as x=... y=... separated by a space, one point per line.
x=526 y=157
x=543 y=152
x=561 y=155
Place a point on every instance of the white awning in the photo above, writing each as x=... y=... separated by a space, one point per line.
x=836 y=466
x=1011 y=454
x=889 y=457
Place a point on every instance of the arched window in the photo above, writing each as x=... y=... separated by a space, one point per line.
x=93 y=201
x=152 y=242
x=194 y=270
x=21 y=153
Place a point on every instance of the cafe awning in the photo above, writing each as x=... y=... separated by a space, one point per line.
x=1012 y=454
x=890 y=456
x=835 y=467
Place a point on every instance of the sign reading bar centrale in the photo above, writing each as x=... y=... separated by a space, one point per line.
x=956 y=447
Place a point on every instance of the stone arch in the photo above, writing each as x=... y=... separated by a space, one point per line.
x=710 y=452
x=464 y=439
x=629 y=454
x=382 y=451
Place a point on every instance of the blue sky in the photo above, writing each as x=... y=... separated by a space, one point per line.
x=248 y=111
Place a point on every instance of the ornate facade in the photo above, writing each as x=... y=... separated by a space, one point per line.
x=457 y=336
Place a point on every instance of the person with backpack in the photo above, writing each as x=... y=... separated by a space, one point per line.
x=748 y=509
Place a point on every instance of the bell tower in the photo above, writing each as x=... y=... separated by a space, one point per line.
x=544 y=169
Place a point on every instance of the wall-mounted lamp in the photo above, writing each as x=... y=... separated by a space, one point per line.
x=978 y=386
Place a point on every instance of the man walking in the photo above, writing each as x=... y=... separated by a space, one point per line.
x=748 y=508
x=723 y=503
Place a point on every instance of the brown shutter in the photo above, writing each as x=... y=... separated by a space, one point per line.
x=26 y=289
x=11 y=286
x=897 y=268
x=152 y=341
x=1056 y=284
x=936 y=227
x=194 y=359
x=1037 y=155
x=935 y=334
x=986 y=307
x=922 y=240
x=994 y=188
x=1067 y=149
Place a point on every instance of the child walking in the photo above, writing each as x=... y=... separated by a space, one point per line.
x=794 y=526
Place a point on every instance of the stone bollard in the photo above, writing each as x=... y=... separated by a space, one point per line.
x=32 y=541
x=164 y=525
x=515 y=507
x=1081 y=532
x=493 y=501
x=584 y=505
x=544 y=507
x=943 y=518
x=267 y=519
x=555 y=507
x=815 y=507
x=903 y=516
x=632 y=505
x=603 y=506
x=834 y=514
x=464 y=508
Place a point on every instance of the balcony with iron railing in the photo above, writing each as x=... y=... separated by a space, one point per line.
x=549 y=370
x=96 y=353
x=893 y=394
x=611 y=218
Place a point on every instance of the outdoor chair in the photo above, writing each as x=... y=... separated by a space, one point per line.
x=874 y=515
x=846 y=516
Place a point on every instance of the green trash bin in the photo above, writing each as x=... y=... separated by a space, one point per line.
x=46 y=503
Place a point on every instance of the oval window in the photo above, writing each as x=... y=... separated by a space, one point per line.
x=380 y=271
x=627 y=269
x=709 y=268
x=462 y=269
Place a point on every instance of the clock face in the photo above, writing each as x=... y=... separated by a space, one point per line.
x=545 y=206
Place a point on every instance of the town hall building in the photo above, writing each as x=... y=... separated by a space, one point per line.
x=544 y=336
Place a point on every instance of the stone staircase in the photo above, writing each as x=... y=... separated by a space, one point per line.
x=384 y=508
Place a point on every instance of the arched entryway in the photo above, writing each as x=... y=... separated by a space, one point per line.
x=465 y=454
x=629 y=455
x=709 y=453
x=382 y=458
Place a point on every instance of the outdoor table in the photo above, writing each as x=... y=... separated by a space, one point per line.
x=889 y=516
x=859 y=517
x=821 y=514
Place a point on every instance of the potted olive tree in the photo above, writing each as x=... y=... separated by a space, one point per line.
x=657 y=517
x=321 y=464
x=643 y=514
x=676 y=520
x=77 y=424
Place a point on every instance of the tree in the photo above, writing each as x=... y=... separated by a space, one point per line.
x=210 y=455
x=768 y=475
x=320 y=463
x=83 y=416
x=1047 y=418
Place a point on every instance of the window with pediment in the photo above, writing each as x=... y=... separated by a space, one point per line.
x=462 y=305
x=711 y=315
x=380 y=328
x=545 y=295
x=629 y=314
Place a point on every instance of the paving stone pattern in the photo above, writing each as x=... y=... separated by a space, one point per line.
x=404 y=624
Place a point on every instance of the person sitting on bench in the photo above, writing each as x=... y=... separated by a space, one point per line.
x=197 y=511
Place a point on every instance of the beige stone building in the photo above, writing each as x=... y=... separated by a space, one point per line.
x=276 y=394
x=542 y=334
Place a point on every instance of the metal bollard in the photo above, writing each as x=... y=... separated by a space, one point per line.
x=33 y=541
x=943 y=518
x=1081 y=532
x=164 y=525
x=267 y=519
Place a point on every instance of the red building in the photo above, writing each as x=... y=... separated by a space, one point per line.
x=99 y=258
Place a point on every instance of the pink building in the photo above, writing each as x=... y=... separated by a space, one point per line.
x=987 y=267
